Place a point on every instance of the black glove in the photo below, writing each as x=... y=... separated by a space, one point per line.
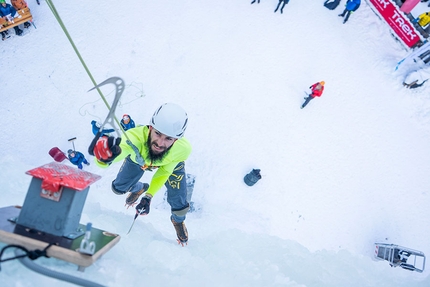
x=143 y=207
x=107 y=149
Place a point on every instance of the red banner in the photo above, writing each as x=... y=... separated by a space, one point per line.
x=397 y=21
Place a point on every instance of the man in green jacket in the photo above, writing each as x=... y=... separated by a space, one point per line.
x=162 y=146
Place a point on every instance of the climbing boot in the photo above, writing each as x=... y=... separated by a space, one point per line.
x=134 y=196
x=181 y=232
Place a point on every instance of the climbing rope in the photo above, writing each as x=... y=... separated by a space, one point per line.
x=60 y=22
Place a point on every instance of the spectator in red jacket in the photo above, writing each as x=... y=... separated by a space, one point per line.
x=317 y=90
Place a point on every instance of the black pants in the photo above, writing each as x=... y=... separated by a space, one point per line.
x=127 y=180
x=307 y=100
x=17 y=30
x=347 y=12
x=279 y=4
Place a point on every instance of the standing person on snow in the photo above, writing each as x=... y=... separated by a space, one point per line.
x=283 y=2
x=18 y=5
x=7 y=12
x=163 y=147
x=95 y=126
x=350 y=6
x=127 y=123
x=317 y=90
x=77 y=158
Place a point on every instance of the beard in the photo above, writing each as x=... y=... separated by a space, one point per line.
x=155 y=157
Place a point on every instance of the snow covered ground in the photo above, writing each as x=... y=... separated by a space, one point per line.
x=349 y=170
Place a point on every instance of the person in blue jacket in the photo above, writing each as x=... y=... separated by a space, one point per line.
x=6 y=11
x=127 y=123
x=350 y=6
x=96 y=127
x=77 y=158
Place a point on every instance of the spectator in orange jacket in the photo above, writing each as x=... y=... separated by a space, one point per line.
x=18 y=5
x=317 y=90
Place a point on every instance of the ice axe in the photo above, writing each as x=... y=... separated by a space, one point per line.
x=119 y=89
x=134 y=220
x=111 y=119
x=72 y=140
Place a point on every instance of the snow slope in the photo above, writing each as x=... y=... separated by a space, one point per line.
x=349 y=170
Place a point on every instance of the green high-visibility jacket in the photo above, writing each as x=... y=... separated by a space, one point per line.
x=179 y=151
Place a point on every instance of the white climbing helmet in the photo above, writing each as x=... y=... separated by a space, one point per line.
x=170 y=119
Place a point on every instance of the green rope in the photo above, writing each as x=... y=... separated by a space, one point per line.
x=57 y=16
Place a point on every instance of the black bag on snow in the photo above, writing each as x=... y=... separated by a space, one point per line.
x=332 y=5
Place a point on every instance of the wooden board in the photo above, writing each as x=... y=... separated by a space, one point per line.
x=64 y=248
x=25 y=16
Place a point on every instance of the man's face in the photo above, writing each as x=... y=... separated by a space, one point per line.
x=158 y=145
x=126 y=120
x=159 y=142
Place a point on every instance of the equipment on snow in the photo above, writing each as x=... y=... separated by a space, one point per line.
x=417 y=78
x=331 y=5
x=57 y=154
x=409 y=259
x=251 y=178
x=66 y=189
x=50 y=214
x=62 y=248
x=87 y=247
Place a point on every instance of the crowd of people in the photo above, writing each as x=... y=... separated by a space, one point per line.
x=350 y=6
x=8 y=12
